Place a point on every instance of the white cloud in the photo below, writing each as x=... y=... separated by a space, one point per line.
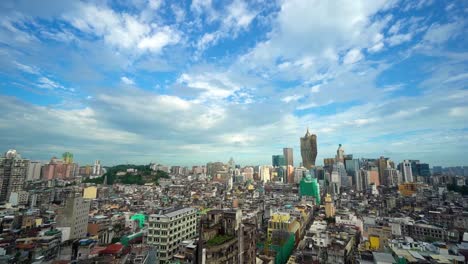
x=320 y=30
x=408 y=112
x=291 y=98
x=16 y=35
x=238 y=139
x=308 y=43
x=417 y=4
x=437 y=33
x=156 y=42
x=47 y=83
x=313 y=105
x=392 y=88
x=178 y=12
x=200 y=6
x=361 y=121
x=315 y=88
x=458 y=77
x=395 y=28
x=307 y=106
x=236 y=17
x=121 y=30
x=376 y=48
x=213 y=85
x=353 y=56
x=126 y=80
x=76 y=125
x=208 y=39
x=26 y=68
x=211 y=117
x=155 y=4
x=461 y=111
x=398 y=39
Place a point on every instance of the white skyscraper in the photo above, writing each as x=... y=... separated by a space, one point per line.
x=264 y=173
x=406 y=171
x=97 y=167
x=34 y=171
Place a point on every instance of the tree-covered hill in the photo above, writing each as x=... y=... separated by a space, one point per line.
x=143 y=175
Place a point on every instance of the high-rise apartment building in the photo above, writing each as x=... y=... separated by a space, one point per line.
x=197 y=170
x=382 y=164
x=414 y=168
x=13 y=172
x=423 y=169
x=288 y=156
x=299 y=173
x=406 y=171
x=352 y=166
x=34 y=171
x=278 y=161
x=391 y=177
x=97 y=168
x=248 y=173
x=176 y=170
x=72 y=219
x=67 y=157
x=344 y=179
x=264 y=173
x=373 y=176
x=59 y=169
x=358 y=181
x=168 y=228
x=290 y=174
x=213 y=168
x=335 y=181
x=308 y=149
x=328 y=164
x=329 y=206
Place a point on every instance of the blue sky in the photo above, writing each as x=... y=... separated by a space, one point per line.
x=186 y=82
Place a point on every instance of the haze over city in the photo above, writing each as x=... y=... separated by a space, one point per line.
x=180 y=82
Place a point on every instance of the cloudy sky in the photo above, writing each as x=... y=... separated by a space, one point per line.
x=189 y=82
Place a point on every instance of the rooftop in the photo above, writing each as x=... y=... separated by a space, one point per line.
x=174 y=212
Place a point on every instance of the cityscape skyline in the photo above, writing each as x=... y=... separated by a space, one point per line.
x=233 y=131
x=196 y=81
x=273 y=158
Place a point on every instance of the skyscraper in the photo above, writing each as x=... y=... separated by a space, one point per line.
x=73 y=217
x=288 y=156
x=406 y=171
x=58 y=169
x=67 y=157
x=278 y=160
x=423 y=170
x=97 y=167
x=352 y=166
x=382 y=164
x=34 y=171
x=309 y=150
x=264 y=173
x=329 y=206
x=13 y=172
x=340 y=154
